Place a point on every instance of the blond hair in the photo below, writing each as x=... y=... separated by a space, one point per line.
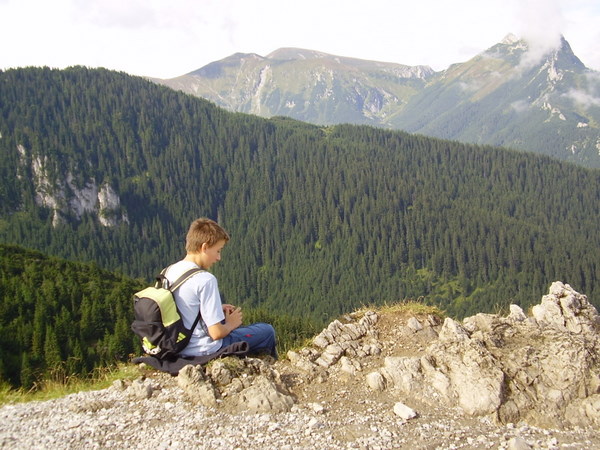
x=204 y=231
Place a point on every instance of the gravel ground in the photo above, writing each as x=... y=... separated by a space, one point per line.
x=109 y=419
x=336 y=412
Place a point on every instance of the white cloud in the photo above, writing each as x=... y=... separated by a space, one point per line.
x=540 y=24
x=520 y=106
x=583 y=98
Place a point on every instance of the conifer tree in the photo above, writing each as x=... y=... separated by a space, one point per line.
x=52 y=357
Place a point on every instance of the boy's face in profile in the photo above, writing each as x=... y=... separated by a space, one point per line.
x=211 y=255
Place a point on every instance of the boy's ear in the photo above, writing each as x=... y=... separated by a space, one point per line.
x=203 y=247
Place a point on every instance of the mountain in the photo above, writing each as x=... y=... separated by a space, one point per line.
x=501 y=97
x=306 y=85
x=548 y=106
x=323 y=219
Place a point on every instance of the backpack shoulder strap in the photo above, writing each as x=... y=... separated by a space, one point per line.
x=161 y=279
x=183 y=278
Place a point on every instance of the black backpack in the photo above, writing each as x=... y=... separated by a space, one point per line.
x=157 y=319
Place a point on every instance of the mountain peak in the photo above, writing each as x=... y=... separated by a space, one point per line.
x=527 y=53
x=509 y=39
x=292 y=53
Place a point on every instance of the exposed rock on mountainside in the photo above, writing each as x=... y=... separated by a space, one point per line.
x=307 y=85
x=387 y=379
x=68 y=197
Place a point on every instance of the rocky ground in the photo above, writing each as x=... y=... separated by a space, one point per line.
x=332 y=409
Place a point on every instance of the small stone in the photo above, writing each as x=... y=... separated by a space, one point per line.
x=414 y=324
x=376 y=381
x=119 y=385
x=317 y=408
x=404 y=412
x=518 y=443
x=516 y=313
x=314 y=423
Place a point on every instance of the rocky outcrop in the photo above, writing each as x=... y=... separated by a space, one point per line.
x=544 y=369
x=66 y=197
x=337 y=342
x=237 y=385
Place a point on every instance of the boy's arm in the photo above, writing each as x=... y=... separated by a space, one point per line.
x=233 y=319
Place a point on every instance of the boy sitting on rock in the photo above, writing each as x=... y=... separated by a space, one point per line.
x=220 y=324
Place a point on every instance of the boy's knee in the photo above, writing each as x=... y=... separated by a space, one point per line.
x=270 y=328
x=267 y=329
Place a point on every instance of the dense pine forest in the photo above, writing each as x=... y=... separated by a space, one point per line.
x=59 y=318
x=322 y=219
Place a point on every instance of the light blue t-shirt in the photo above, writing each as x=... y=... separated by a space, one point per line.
x=201 y=291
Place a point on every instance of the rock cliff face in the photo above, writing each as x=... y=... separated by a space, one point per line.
x=67 y=199
x=372 y=379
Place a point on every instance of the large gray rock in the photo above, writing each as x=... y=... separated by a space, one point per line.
x=543 y=369
x=475 y=380
x=196 y=386
x=567 y=309
x=263 y=396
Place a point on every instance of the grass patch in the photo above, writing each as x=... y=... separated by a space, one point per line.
x=51 y=389
x=299 y=345
x=409 y=307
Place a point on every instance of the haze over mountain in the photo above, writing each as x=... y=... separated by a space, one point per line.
x=508 y=95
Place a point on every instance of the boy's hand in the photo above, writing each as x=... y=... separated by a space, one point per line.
x=233 y=317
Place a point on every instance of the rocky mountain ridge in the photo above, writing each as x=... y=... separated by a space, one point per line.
x=508 y=95
x=371 y=379
x=304 y=84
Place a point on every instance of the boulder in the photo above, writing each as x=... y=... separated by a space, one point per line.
x=198 y=389
x=262 y=396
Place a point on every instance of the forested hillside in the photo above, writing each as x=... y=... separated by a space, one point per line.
x=58 y=318
x=322 y=219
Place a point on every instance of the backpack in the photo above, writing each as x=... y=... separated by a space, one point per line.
x=157 y=319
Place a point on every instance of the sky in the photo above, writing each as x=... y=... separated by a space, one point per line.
x=168 y=38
